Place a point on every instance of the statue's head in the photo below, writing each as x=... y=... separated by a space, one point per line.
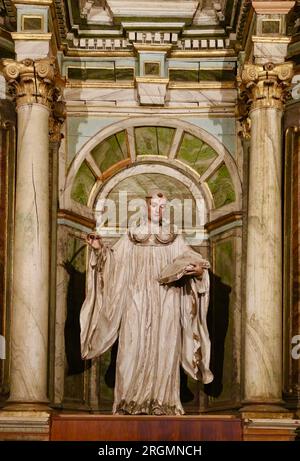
x=156 y=204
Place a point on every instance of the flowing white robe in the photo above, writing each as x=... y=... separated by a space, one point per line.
x=158 y=326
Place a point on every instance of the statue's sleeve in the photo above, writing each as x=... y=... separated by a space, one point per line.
x=101 y=311
x=196 y=346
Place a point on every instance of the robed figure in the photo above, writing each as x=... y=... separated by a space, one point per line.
x=133 y=295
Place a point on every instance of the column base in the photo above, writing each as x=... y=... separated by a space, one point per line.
x=292 y=401
x=272 y=410
x=25 y=421
x=272 y=430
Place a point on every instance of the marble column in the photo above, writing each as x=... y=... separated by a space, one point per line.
x=265 y=88
x=32 y=83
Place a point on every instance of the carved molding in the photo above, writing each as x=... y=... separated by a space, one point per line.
x=272 y=7
x=223 y=220
x=31 y=81
x=242 y=19
x=56 y=120
x=264 y=86
x=76 y=218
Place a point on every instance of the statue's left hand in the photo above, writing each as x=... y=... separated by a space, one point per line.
x=196 y=270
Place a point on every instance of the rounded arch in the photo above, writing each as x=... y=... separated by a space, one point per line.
x=157 y=165
x=180 y=127
x=137 y=176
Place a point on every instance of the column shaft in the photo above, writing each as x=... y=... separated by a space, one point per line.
x=31 y=258
x=263 y=92
x=263 y=316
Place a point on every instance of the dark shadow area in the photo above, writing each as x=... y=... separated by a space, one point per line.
x=217 y=323
x=186 y=395
x=75 y=299
x=110 y=374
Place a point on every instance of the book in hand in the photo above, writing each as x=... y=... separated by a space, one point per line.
x=180 y=266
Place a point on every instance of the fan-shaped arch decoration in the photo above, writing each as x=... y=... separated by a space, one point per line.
x=181 y=146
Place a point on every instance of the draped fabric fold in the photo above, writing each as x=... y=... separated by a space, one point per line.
x=158 y=326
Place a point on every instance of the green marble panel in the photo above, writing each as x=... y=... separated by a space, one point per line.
x=111 y=151
x=76 y=73
x=146 y=141
x=152 y=68
x=184 y=75
x=223 y=324
x=122 y=142
x=224 y=262
x=106 y=74
x=221 y=187
x=151 y=140
x=216 y=75
x=165 y=137
x=124 y=73
x=196 y=153
x=76 y=252
x=75 y=266
x=271 y=26
x=83 y=184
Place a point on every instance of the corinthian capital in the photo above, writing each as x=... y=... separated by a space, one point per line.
x=31 y=81
x=265 y=86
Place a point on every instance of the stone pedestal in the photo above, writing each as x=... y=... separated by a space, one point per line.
x=270 y=430
x=24 y=424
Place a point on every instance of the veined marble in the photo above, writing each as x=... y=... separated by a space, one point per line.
x=29 y=333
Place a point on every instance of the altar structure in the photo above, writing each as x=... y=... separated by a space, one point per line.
x=200 y=99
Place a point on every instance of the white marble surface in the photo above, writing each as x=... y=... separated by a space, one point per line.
x=33 y=49
x=270 y=52
x=263 y=315
x=108 y=96
x=214 y=99
x=31 y=258
x=24 y=425
x=207 y=97
x=152 y=93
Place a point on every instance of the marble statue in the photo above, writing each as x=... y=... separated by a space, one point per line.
x=159 y=325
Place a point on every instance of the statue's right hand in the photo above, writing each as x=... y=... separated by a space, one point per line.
x=94 y=241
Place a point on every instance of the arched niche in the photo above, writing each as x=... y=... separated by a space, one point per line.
x=154 y=141
x=183 y=160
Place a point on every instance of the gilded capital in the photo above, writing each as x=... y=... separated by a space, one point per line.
x=31 y=81
x=265 y=86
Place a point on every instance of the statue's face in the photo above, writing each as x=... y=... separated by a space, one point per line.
x=156 y=208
